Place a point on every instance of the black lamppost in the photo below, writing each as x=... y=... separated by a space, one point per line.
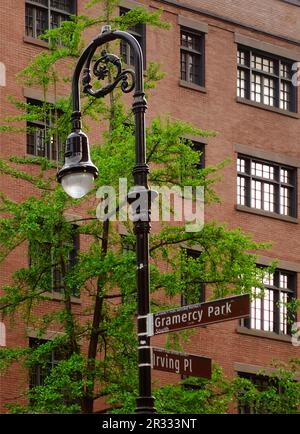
x=78 y=173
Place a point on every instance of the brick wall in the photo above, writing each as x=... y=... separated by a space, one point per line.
x=215 y=109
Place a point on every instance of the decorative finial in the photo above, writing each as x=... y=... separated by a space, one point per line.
x=106 y=28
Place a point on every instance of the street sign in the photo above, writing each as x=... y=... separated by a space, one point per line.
x=181 y=363
x=197 y=315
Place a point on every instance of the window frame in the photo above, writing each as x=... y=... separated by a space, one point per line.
x=200 y=53
x=72 y=260
x=250 y=71
x=192 y=253
x=37 y=372
x=276 y=182
x=292 y=2
x=140 y=36
x=200 y=147
x=53 y=146
x=35 y=5
x=277 y=291
x=261 y=383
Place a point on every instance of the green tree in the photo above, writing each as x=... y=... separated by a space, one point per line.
x=280 y=393
x=98 y=342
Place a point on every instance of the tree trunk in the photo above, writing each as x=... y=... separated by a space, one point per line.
x=88 y=401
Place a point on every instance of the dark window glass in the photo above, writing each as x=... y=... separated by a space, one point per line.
x=189 y=254
x=41 y=2
x=293 y=2
x=42 y=138
x=56 y=20
x=269 y=309
x=192 y=57
x=46 y=250
x=57 y=274
x=127 y=244
x=261 y=382
x=38 y=372
x=201 y=148
x=29 y=21
x=267 y=186
x=41 y=15
x=265 y=79
x=41 y=21
x=64 y=5
x=139 y=32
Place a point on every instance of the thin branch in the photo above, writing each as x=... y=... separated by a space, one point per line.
x=171 y=242
x=22 y=299
x=152 y=152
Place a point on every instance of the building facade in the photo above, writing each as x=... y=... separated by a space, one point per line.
x=234 y=67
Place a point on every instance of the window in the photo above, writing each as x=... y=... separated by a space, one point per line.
x=192 y=56
x=197 y=296
x=57 y=274
x=127 y=244
x=41 y=15
x=42 y=138
x=266 y=186
x=265 y=79
x=2 y=334
x=293 y=2
x=269 y=310
x=2 y=74
x=39 y=372
x=201 y=148
x=261 y=382
x=40 y=252
x=47 y=360
x=139 y=32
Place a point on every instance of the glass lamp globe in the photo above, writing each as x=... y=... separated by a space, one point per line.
x=77 y=184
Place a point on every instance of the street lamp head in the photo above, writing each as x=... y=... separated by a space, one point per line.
x=78 y=173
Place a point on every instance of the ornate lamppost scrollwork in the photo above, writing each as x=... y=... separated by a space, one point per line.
x=101 y=71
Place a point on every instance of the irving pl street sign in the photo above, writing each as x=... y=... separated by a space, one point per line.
x=181 y=363
x=196 y=315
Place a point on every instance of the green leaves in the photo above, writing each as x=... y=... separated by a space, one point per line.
x=223 y=263
x=140 y=15
x=276 y=391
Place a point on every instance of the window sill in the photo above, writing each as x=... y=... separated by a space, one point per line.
x=262 y=213
x=192 y=86
x=292 y=2
x=262 y=334
x=57 y=296
x=267 y=107
x=35 y=41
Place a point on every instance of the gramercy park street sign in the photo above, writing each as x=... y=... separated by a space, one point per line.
x=197 y=315
x=181 y=363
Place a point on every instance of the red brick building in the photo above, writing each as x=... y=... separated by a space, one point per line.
x=233 y=67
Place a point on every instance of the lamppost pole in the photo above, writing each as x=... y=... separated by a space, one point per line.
x=78 y=173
